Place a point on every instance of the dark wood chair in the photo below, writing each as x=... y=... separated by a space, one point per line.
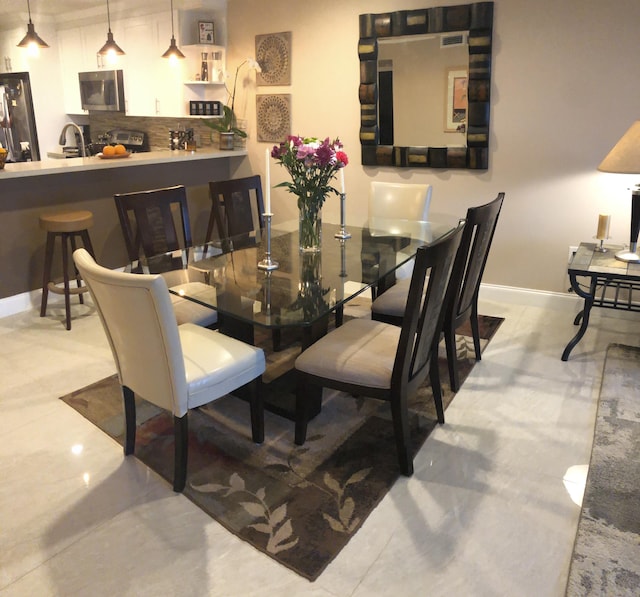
x=155 y=224
x=237 y=206
x=462 y=298
x=379 y=360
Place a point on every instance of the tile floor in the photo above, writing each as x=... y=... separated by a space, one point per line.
x=486 y=513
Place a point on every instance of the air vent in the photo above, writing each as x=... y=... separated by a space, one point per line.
x=452 y=40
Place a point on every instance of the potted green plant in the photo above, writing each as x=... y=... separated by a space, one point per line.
x=227 y=125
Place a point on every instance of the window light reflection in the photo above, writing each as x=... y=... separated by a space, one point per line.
x=574 y=481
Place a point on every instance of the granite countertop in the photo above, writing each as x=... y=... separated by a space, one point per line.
x=62 y=166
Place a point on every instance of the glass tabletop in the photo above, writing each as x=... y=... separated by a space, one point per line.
x=306 y=287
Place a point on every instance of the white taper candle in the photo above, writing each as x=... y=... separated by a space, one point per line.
x=604 y=221
x=267 y=177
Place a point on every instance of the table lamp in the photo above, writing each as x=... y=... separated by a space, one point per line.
x=624 y=158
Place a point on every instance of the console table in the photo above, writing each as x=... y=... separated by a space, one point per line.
x=602 y=281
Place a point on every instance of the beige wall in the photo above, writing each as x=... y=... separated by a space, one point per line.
x=565 y=88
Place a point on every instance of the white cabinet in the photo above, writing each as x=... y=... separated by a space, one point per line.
x=152 y=84
x=78 y=50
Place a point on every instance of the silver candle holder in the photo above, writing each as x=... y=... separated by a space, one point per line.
x=267 y=263
x=343 y=234
x=343 y=259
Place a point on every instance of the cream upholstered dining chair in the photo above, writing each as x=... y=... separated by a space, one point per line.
x=379 y=360
x=148 y=222
x=176 y=367
x=397 y=200
x=462 y=303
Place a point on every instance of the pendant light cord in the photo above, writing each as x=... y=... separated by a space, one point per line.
x=108 y=17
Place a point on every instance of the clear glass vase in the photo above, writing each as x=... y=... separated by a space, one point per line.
x=309 y=228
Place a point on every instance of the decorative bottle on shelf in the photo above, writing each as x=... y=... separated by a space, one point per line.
x=204 y=69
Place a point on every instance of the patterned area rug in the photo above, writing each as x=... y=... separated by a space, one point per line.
x=298 y=504
x=606 y=556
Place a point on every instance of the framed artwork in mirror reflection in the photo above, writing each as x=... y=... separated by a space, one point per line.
x=457 y=100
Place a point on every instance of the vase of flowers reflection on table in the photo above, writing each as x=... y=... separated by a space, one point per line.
x=312 y=164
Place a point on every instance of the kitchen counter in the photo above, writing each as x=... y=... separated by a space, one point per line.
x=29 y=189
x=68 y=165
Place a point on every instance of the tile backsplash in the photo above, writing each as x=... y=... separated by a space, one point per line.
x=157 y=128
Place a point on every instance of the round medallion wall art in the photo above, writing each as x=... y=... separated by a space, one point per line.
x=273 y=117
x=273 y=53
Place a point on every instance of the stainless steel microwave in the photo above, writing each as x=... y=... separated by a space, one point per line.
x=102 y=90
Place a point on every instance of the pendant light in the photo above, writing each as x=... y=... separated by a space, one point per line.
x=111 y=47
x=173 y=52
x=32 y=38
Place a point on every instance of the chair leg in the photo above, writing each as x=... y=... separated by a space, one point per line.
x=72 y=239
x=129 y=420
x=86 y=241
x=65 y=274
x=400 y=417
x=452 y=357
x=436 y=387
x=257 y=410
x=475 y=330
x=46 y=276
x=181 y=438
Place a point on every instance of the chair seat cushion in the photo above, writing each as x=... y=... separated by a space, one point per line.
x=216 y=364
x=360 y=352
x=394 y=300
x=188 y=311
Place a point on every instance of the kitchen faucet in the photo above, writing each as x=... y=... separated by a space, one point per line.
x=63 y=137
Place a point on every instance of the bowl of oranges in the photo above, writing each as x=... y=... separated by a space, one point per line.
x=114 y=151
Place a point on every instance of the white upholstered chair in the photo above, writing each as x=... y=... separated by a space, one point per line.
x=176 y=367
x=394 y=200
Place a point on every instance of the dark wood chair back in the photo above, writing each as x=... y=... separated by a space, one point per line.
x=417 y=353
x=236 y=211
x=468 y=269
x=154 y=222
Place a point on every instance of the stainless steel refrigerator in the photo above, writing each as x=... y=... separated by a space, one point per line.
x=17 y=120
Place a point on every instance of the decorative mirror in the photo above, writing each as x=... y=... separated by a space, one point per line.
x=393 y=48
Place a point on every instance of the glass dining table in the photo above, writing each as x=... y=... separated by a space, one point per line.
x=304 y=292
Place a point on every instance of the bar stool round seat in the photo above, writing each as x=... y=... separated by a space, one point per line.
x=68 y=226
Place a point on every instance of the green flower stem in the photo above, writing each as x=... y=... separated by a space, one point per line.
x=310 y=206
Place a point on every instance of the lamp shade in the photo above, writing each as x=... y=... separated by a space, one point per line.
x=110 y=46
x=173 y=51
x=32 y=38
x=624 y=158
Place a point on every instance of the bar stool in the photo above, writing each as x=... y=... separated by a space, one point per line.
x=67 y=226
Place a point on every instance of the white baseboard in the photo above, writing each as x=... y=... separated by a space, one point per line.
x=20 y=302
x=558 y=301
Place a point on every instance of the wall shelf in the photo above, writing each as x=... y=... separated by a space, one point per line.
x=204 y=83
